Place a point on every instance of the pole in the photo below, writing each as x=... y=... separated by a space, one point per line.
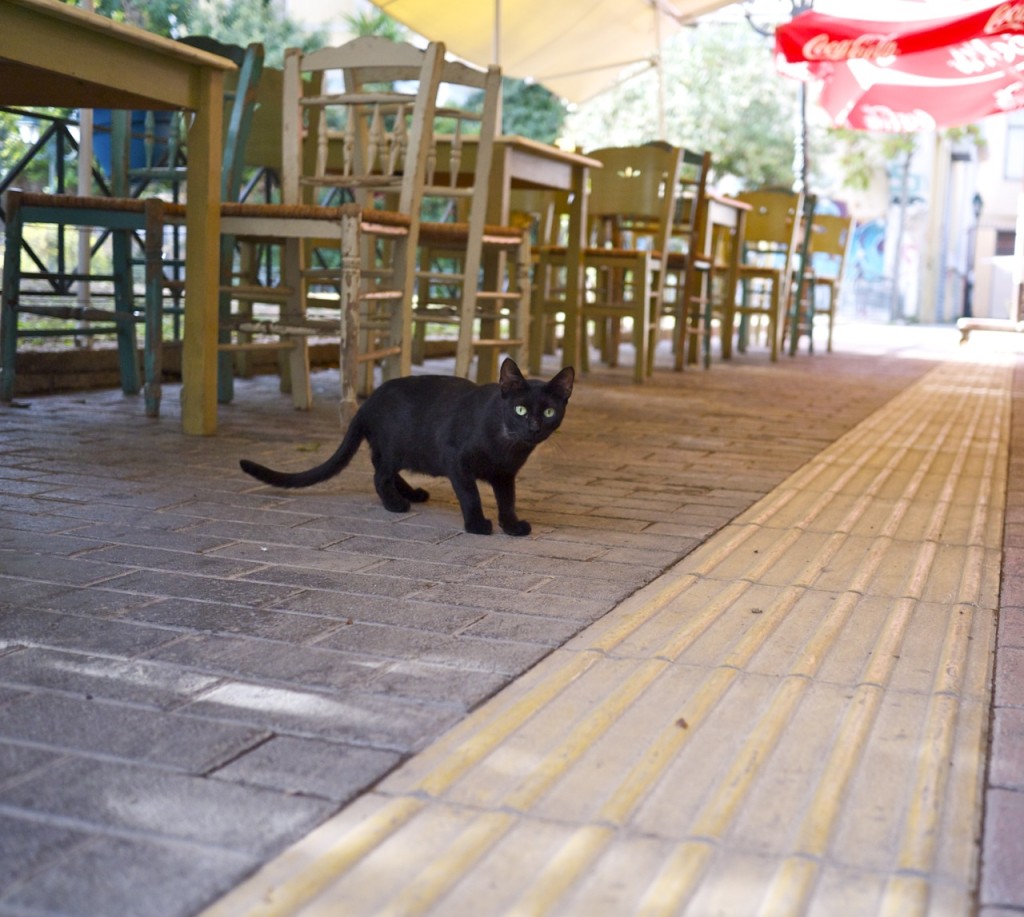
x=895 y=305
x=660 y=71
x=497 y=32
x=84 y=293
x=972 y=246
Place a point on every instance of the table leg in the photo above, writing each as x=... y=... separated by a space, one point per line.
x=574 y=336
x=202 y=256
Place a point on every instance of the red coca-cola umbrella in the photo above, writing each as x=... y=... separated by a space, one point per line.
x=909 y=69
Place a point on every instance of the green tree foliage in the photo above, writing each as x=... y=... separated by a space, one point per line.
x=376 y=22
x=162 y=17
x=527 y=109
x=241 y=22
x=18 y=133
x=721 y=93
x=531 y=110
x=238 y=22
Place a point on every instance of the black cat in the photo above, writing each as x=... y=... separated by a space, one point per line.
x=447 y=427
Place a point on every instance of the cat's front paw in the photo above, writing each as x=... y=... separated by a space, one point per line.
x=418 y=495
x=480 y=527
x=519 y=528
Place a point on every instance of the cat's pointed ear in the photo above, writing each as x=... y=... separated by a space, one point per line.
x=510 y=378
x=561 y=385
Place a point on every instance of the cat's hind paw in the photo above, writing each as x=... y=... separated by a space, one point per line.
x=519 y=528
x=480 y=527
x=410 y=493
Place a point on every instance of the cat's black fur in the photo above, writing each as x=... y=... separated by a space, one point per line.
x=447 y=427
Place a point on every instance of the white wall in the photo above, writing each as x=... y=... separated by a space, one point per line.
x=992 y=288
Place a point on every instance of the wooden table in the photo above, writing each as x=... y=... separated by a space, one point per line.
x=727 y=220
x=59 y=55
x=523 y=163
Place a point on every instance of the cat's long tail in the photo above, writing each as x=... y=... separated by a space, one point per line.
x=336 y=463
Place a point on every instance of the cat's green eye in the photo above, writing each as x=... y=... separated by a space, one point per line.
x=521 y=410
x=549 y=413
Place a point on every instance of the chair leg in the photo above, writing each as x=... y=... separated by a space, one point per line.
x=471 y=265
x=9 y=297
x=831 y=316
x=538 y=327
x=542 y=314
x=225 y=358
x=249 y=264
x=298 y=370
x=643 y=328
x=292 y=258
x=401 y=324
x=418 y=346
x=743 y=331
x=124 y=306
x=351 y=289
x=706 y=330
x=776 y=321
x=154 y=328
x=523 y=307
x=810 y=319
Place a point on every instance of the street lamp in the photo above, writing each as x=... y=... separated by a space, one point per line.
x=972 y=243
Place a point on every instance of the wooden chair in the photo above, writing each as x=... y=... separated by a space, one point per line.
x=544 y=215
x=688 y=296
x=124 y=218
x=831 y=238
x=348 y=219
x=472 y=274
x=632 y=206
x=149 y=154
x=771 y=248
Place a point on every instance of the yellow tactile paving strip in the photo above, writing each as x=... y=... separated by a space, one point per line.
x=791 y=721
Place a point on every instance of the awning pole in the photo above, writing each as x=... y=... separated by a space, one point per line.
x=497 y=32
x=660 y=70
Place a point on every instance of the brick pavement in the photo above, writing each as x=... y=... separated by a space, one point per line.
x=1001 y=891
x=195 y=670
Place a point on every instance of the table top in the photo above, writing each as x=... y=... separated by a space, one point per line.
x=55 y=54
x=539 y=148
x=727 y=201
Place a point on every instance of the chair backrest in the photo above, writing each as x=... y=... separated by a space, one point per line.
x=263 y=151
x=773 y=227
x=161 y=136
x=243 y=95
x=831 y=239
x=542 y=212
x=465 y=128
x=632 y=200
x=690 y=230
x=369 y=123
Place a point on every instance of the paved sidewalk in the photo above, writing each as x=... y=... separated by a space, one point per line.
x=197 y=671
